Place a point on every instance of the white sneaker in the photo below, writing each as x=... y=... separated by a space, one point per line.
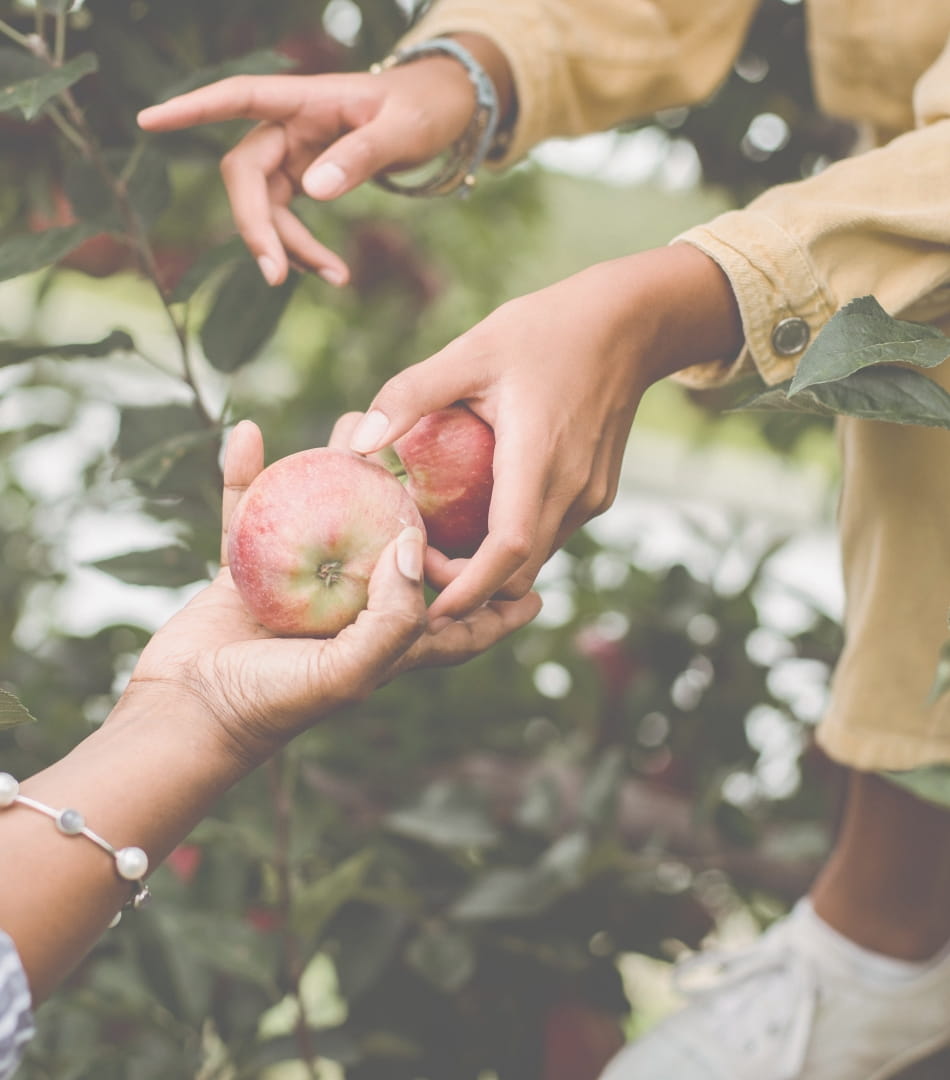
x=802 y=1003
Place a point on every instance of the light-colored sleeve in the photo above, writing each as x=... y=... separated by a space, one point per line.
x=581 y=66
x=16 y=1018
x=877 y=223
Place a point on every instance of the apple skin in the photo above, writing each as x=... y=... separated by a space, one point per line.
x=304 y=539
x=447 y=459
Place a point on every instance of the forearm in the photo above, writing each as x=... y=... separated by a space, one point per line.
x=145 y=779
x=675 y=306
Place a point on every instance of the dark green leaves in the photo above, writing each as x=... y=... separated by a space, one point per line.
x=852 y=369
x=244 y=314
x=29 y=83
x=894 y=394
x=33 y=251
x=19 y=352
x=172 y=567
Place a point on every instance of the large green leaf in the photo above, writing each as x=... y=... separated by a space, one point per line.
x=244 y=314
x=169 y=567
x=895 y=394
x=862 y=334
x=28 y=252
x=13 y=711
x=31 y=92
x=15 y=352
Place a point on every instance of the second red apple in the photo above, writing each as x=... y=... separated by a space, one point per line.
x=447 y=459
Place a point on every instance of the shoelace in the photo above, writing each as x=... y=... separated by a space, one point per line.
x=707 y=977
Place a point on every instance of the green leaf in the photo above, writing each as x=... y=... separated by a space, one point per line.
x=13 y=711
x=518 y=892
x=442 y=956
x=152 y=466
x=244 y=314
x=12 y=352
x=446 y=815
x=33 y=251
x=169 y=567
x=30 y=95
x=147 y=187
x=259 y=62
x=930 y=783
x=226 y=945
x=894 y=394
x=315 y=903
x=861 y=334
x=366 y=938
x=205 y=266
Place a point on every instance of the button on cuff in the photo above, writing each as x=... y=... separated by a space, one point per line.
x=790 y=336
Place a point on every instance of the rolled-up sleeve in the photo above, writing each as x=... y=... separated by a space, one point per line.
x=585 y=67
x=876 y=223
x=16 y=1017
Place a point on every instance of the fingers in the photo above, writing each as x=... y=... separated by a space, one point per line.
x=365 y=652
x=305 y=250
x=250 y=97
x=343 y=430
x=243 y=460
x=446 y=377
x=458 y=640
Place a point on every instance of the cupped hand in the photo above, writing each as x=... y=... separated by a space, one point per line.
x=322 y=135
x=260 y=690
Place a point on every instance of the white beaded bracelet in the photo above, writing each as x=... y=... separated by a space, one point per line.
x=131 y=863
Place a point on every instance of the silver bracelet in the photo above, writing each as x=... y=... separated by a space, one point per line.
x=457 y=172
x=131 y=863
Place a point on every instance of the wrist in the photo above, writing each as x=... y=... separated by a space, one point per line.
x=679 y=308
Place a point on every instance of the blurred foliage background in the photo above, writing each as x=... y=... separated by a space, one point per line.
x=478 y=873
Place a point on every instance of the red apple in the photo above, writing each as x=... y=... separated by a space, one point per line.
x=447 y=460
x=307 y=534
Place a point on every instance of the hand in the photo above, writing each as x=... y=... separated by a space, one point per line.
x=558 y=374
x=261 y=690
x=323 y=135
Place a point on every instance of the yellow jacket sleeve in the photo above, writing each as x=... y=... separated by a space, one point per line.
x=875 y=223
x=587 y=66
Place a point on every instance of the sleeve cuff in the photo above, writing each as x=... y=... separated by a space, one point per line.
x=781 y=302
x=522 y=39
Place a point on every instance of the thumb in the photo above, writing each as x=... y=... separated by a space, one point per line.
x=358 y=156
x=394 y=618
x=445 y=378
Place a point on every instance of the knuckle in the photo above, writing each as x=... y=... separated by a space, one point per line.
x=517 y=546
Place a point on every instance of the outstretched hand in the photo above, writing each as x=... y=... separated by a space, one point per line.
x=322 y=135
x=261 y=690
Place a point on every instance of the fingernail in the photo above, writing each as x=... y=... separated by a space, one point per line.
x=268 y=269
x=335 y=277
x=324 y=181
x=409 y=553
x=369 y=432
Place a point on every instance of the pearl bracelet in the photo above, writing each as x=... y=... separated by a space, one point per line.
x=131 y=863
x=457 y=174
